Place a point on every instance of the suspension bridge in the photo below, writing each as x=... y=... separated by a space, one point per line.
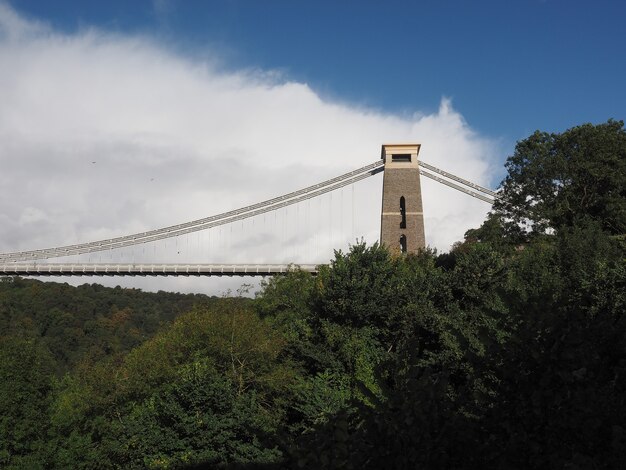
x=402 y=228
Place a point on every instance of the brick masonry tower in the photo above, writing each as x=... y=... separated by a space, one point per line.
x=402 y=219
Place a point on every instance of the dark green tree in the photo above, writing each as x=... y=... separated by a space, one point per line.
x=26 y=368
x=558 y=398
x=558 y=180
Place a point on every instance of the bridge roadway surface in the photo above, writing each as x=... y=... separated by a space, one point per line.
x=66 y=269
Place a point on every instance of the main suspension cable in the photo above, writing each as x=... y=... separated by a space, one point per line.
x=207 y=223
x=457 y=179
x=480 y=196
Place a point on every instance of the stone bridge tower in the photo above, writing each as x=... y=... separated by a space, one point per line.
x=402 y=219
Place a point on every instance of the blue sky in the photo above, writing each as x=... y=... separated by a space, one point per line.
x=510 y=67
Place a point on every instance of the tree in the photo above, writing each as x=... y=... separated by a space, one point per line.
x=558 y=400
x=560 y=180
x=25 y=372
x=86 y=321
x=208 y=389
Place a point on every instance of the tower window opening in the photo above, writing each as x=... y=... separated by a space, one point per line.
x=402 y=243
x=403 y=212
x=401 y=157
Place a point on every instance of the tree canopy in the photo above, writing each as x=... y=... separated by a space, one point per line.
x=563 y=179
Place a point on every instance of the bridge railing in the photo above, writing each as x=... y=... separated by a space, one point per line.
x=68 y=269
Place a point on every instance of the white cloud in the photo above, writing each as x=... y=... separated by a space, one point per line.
x=104 y=134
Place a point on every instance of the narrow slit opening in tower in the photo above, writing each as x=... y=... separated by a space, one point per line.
x=403 y=212
x=402 y=243
x=401 y=157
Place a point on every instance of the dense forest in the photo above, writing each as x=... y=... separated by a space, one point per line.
x=509 y=351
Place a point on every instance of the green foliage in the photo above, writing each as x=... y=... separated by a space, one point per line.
x=559 y=180
x=372 y=322
x=561 y=388
x=198 y=417
x=206 y=389
x=317 y=397
x=359 y=288
x=492 y=232
x=25 y=371
x=89 y=321
x=285 y=302
x=526 y=371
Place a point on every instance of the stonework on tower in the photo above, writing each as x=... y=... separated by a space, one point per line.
x=402 y=219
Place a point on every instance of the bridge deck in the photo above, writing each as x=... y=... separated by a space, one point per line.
x=65 y=269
